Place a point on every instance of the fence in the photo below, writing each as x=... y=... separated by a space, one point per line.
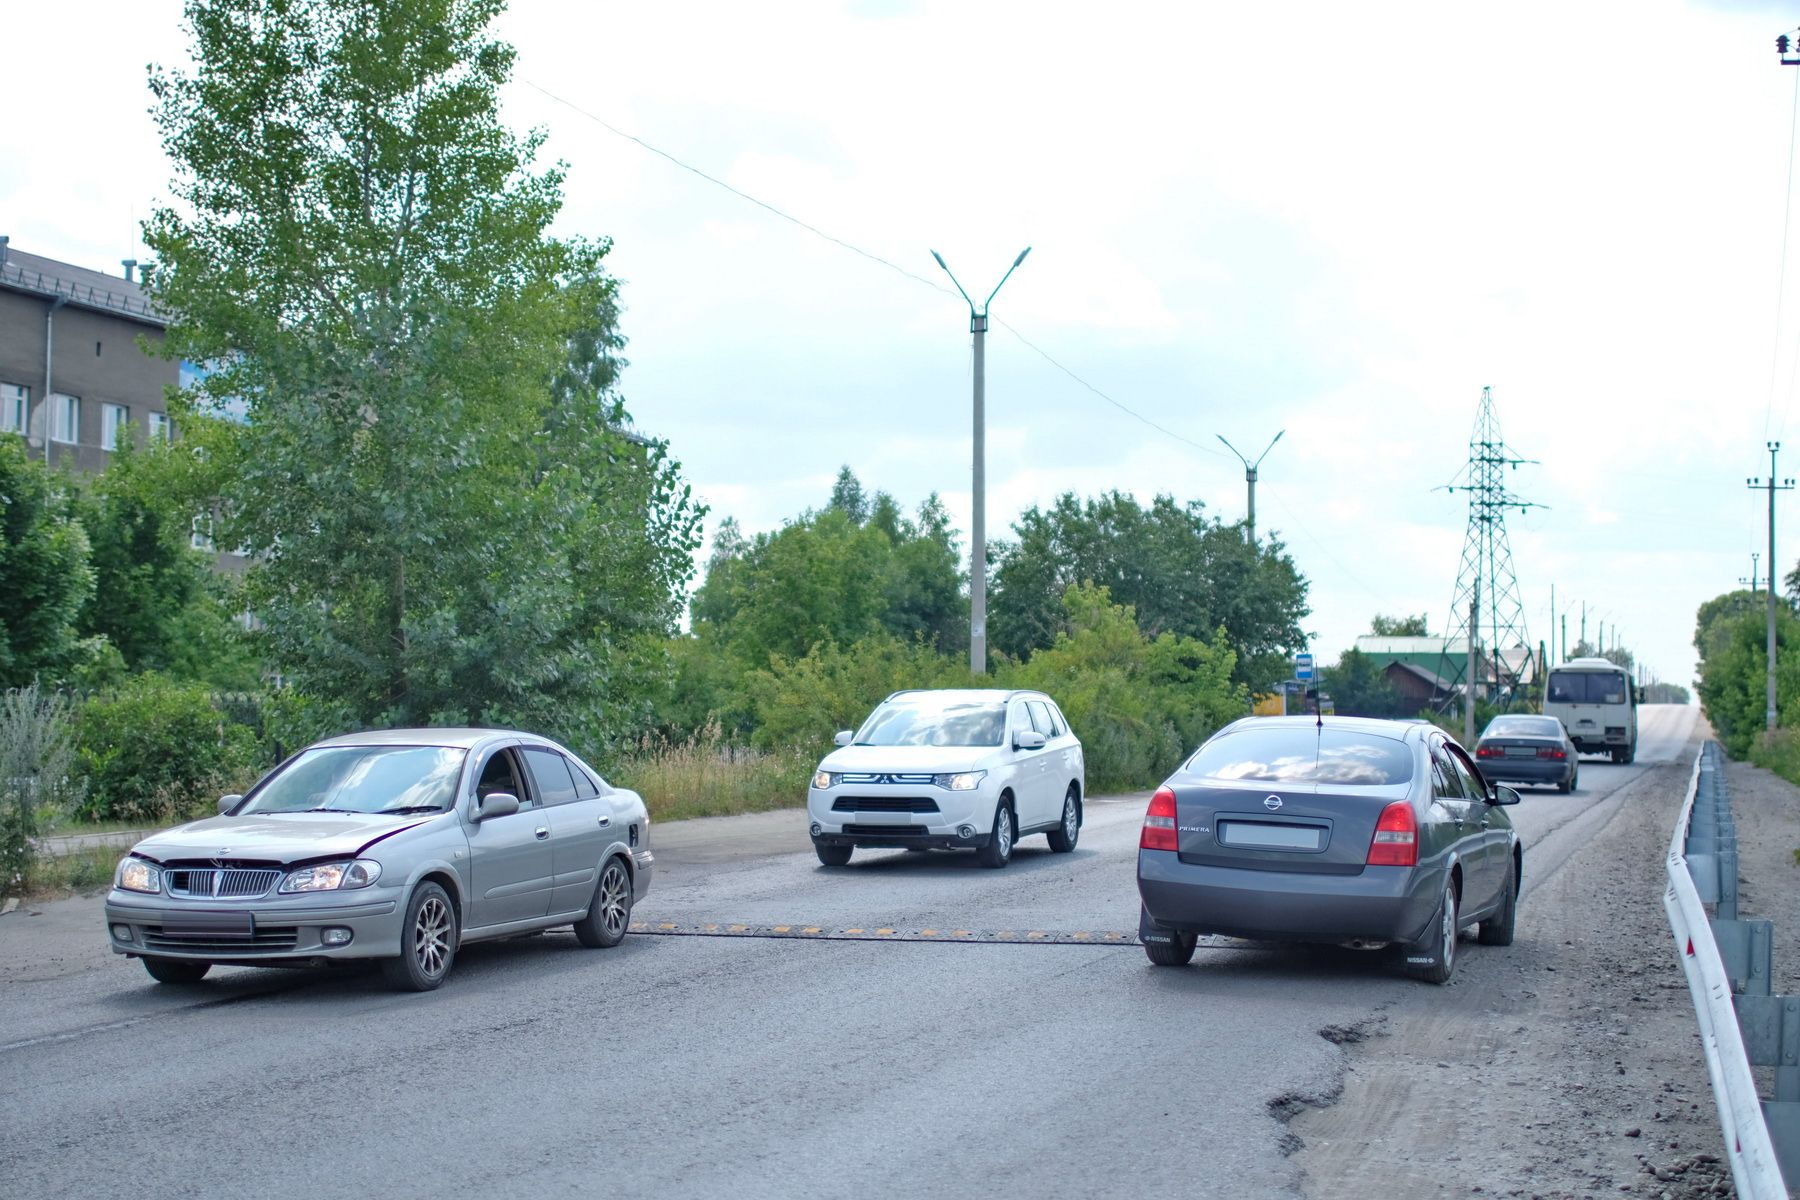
x=1727 y=963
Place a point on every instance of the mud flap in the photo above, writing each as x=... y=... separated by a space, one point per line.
x=1152 y=934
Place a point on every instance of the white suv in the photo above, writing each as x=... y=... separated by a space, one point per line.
x=951 y=769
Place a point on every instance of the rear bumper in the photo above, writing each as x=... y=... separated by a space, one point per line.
x=1390 y=904
x=1526 y=770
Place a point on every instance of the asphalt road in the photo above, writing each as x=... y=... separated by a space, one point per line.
x=676 y=1064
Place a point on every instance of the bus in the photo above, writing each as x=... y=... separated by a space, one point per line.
x=1596 y=700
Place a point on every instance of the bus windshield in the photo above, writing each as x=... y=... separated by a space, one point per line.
x=1587 y=687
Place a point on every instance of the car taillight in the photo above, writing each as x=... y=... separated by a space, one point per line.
x=1396 y=842
x=1551 y=752
x=1159 y=823
x=1487 y=752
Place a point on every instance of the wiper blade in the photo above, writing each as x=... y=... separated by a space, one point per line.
x=355 y=812
x=411 y=808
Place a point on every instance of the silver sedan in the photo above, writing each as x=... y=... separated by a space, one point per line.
x=401 y=845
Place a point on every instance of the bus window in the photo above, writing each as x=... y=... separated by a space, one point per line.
x=1587 y=687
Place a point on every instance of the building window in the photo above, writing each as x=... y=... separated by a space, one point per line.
x=202 y=536
x=112 y=420
x=15 y=407
x=161 y=428
x=65 y=418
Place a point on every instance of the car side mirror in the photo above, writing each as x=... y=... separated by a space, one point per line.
x=843 y=737
x=496 y=804
x=227 y=803
x=1028 y=739
x=1504 y=795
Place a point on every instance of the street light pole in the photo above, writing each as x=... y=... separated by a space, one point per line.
x=1250 y=479
x=978 y=323
x=1772 y=487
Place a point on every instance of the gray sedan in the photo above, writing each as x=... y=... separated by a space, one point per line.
x=401 y=846
x=1368 y=834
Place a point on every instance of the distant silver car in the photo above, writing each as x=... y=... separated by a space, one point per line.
x=401 y=845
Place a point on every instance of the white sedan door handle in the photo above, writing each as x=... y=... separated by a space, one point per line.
x=605 y=821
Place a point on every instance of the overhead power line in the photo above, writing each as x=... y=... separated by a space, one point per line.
x=858 y=250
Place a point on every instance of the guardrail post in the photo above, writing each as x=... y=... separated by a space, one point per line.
x=1747 y=948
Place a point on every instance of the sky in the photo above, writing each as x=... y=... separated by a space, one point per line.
x=1337 y=221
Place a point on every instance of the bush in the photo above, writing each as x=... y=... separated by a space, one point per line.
x=157 y=750
x=37 y=777
x=801 y=703
x=704 y=776
x=1138 y=704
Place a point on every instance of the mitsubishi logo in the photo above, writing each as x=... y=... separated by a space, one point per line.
x=1272 y=803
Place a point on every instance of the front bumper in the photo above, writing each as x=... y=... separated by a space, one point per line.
x=282 y=929
x=1386 y=904
x=960 y=820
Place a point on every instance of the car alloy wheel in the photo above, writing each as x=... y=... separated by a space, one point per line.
x=431 y=937
x=615 y=898
x=998 y=851
x=1063 y=837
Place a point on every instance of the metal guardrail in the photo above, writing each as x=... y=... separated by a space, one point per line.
x=1735 y=1030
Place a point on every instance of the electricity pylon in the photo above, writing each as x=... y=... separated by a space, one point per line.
x=1486 y=583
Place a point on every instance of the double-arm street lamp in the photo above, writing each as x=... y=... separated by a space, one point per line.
x=978 y=322
x=1250 y=477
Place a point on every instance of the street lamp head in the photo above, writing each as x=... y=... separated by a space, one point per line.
x=1021 y=258
x=940 y=260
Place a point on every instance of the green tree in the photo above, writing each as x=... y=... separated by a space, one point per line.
x=1713 y=619
x=157 y=600
x=1409 y=626
x=450 y=517
x=829 y=578
x=45 y=576
x=1358 y=687
x=1733 y=678
x=1179 y=570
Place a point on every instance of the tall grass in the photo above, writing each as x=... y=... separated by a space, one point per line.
x=1778 y=750
x=704 y=776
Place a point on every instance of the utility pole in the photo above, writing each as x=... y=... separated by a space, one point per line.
x=1565 y=638
x=1250 y=478
x=1582 y=644
x=1469 y=708
x=1752 y=580
x=1771 y=487
x=978 y=323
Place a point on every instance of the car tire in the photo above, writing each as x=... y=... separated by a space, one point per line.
x=998 y=851
x=833 y=855
x=1068 y=830
x=1567 y=785
x=609 y=912
x=1497 y=930
x=1439 y=943
x=1178 y=951
x=428 y=940
x=175 y=970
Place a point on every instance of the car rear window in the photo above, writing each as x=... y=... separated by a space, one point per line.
x=1543 y=727
x=1305 y=754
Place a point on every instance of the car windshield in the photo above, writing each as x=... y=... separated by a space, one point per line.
x=1541 y=727
x=1587 y=687
x=1305 y=754
x=935 y=721
x=362 y=779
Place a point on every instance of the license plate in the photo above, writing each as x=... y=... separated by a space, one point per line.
x=211 y=924
x=1520 y=752
x=1259 y=835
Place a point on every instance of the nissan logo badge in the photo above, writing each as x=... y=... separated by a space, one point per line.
x=1272 y=803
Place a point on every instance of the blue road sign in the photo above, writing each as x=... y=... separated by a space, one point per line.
x=1303 y=666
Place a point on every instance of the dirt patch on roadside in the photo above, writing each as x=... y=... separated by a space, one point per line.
x=1565 y=1066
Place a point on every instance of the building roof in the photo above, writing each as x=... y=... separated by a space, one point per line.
x=39 y=276
x=1431 y=677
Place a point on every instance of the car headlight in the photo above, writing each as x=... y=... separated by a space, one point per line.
x=962 y=781
x=331 y=877
x=825 y=779
x=136 y=875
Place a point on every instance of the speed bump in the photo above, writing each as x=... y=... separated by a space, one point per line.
x=885 y=933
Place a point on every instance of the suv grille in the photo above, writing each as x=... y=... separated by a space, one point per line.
x=883 y=777
x=887 y=804
x=887 y=830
